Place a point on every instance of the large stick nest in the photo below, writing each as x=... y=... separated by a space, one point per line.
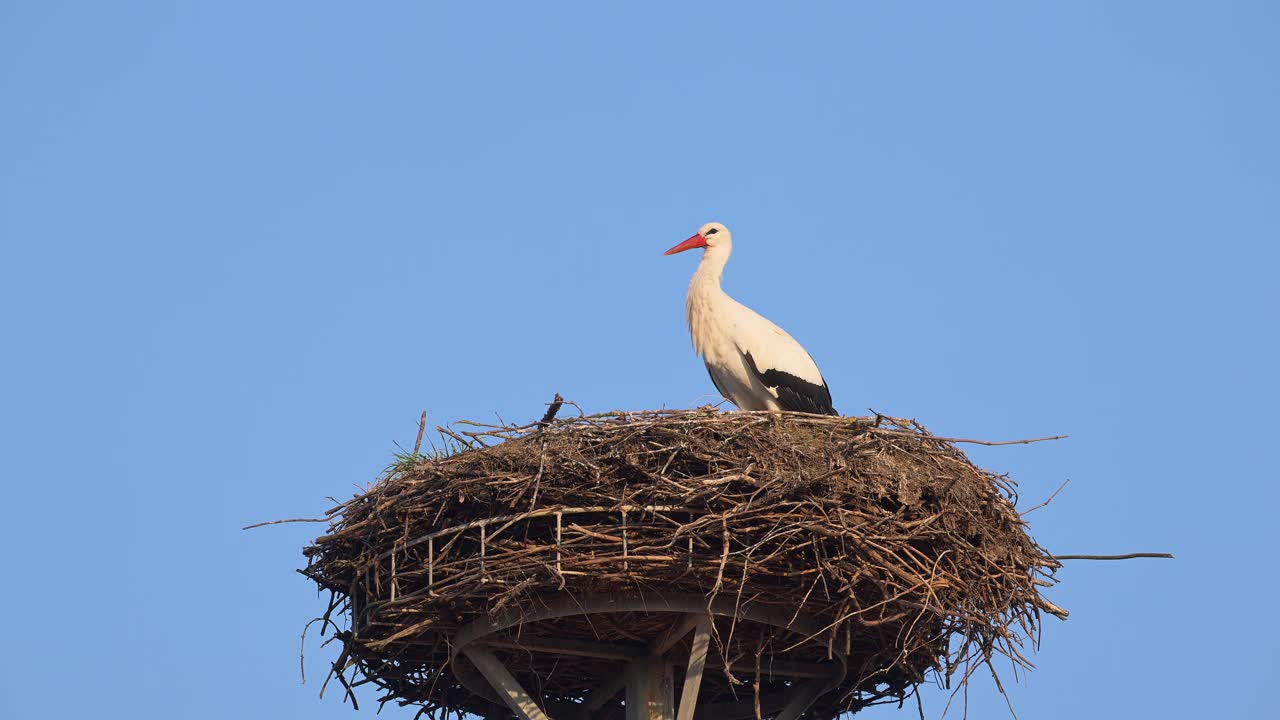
x=895 y=558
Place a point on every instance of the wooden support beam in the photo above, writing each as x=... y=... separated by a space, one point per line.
x=520 y=702
x=697 y=662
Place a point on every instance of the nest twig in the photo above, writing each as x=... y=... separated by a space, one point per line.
x=904 y=558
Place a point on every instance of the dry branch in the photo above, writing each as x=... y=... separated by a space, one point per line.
x=1126 y=556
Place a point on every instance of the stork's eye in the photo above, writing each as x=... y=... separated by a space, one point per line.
x=713 y=231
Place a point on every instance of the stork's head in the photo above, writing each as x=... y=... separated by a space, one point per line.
x=711 y=235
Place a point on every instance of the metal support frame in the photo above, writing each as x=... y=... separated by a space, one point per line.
x=648 y=677
x=656 y=649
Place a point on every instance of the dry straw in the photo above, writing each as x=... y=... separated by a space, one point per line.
x=864 y=552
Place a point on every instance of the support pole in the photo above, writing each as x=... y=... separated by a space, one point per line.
x=650 y=689
x=693 y=673
x=659 y=646
x=505 y=683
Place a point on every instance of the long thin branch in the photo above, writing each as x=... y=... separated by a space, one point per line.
x=973 y=442
x=1047 y=500
x=278 y=522
x=1126 y=556
x=461 y=440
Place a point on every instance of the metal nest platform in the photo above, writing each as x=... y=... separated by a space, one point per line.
x=678 y=564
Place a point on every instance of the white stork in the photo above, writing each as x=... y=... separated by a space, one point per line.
x=754 y=364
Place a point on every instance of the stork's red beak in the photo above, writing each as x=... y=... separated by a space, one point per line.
x=696 y=241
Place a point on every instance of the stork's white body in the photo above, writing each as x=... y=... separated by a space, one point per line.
x=754 y=364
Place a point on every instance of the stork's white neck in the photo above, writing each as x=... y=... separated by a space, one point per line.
x=706 y=298
x=712 y=266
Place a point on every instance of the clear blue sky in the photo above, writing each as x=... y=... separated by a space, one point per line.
x=245 y=244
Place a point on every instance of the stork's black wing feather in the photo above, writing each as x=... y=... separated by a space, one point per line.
x=794 y=393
